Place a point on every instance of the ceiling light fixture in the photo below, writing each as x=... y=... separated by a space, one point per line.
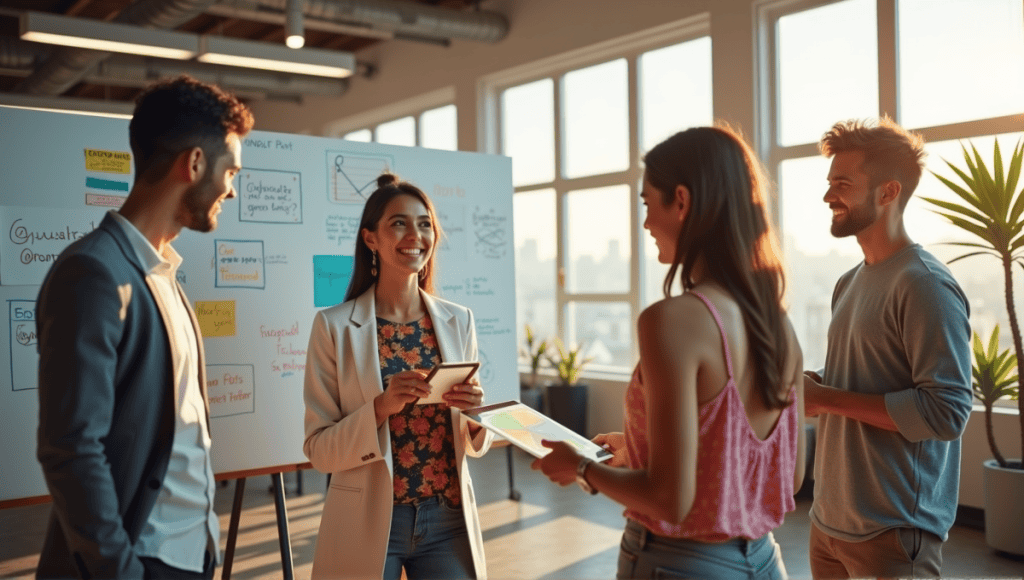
x=107 y=36
x=263 y=55
x=293 y=30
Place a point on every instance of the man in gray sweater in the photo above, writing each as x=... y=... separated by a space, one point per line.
x=895 y=393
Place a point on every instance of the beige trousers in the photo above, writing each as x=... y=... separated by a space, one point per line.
x=895 y=553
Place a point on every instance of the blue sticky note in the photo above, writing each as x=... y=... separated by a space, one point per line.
x=331 y=275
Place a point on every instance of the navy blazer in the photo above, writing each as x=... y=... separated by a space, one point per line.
x=106 y=405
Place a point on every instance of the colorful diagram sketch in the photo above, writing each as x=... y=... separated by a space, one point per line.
x=351 y=177
x=526 y=428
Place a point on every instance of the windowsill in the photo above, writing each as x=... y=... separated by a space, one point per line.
x=622 y=376
x=997 y=409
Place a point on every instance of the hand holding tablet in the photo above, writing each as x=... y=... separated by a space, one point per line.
x=445 y=376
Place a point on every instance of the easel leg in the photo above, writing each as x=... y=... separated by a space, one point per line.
x=282 y=526
x=236 y=512
x=512 y=493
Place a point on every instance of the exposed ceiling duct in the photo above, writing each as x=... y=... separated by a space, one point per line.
x=18 y=54
x=53 y=71
x=68 y=66
x=404 y=19
x=18 y=58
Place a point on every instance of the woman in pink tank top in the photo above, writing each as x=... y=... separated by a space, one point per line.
x=712 y=448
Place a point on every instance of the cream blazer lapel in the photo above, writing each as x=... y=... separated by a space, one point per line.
x=364 y=344
x=446 y=329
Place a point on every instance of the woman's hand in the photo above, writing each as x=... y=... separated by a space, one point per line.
x=616 y=443
x=465 y=395
x=403 y=388
x=559 y=465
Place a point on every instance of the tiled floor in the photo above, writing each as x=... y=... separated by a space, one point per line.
x=552 y=533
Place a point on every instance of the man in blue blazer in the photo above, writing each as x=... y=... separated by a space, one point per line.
x=123 y=420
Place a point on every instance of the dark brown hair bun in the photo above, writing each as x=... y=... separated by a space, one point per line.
x=387 y=179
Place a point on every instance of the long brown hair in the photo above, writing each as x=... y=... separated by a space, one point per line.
x=389 y=187
x=727 y=226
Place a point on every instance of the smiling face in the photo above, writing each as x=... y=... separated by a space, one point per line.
x=202 y=202
x=664 y=222
x=404 y=239
x=850 y=196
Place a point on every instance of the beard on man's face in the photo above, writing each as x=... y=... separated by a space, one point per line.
x=197 y=206
x=856 y=219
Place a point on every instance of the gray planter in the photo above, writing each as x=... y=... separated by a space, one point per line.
x=1004 y=507
x=568 y=405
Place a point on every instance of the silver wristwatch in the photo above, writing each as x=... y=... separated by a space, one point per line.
x=581 y=476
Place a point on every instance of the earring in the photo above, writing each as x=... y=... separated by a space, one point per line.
x=373 y=269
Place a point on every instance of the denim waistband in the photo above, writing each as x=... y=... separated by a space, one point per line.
x=645 y=537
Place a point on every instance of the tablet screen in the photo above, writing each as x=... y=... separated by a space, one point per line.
x=525 y=427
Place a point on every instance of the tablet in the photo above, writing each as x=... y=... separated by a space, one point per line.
x=445 y=376
x=525 y=427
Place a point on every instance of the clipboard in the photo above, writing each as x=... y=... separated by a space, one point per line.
x=525 y=427
x=445 y=376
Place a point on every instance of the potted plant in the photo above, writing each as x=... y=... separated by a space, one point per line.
x=991 y=210
x=534 y=352
x=994 y=379
x=567 y=400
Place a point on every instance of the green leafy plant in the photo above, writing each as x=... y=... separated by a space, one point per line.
x=993 y=380
x=535 y=354
x=991 y=210
x=569 y=362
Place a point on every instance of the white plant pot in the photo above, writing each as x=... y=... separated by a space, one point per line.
x=1004 y=507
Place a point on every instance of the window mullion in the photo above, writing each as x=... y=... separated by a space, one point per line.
x=634 y=177
x=888 y=62
x=561 y=246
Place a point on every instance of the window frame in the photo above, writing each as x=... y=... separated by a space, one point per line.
x=414 y=107
x=630 y=48
x=767 y=137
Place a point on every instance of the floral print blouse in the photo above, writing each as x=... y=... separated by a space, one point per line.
x=422 y=440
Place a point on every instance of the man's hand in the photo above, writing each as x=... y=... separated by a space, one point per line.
x=816 y=395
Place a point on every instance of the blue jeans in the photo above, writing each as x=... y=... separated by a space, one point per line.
x=430 y=541
x=646 y=555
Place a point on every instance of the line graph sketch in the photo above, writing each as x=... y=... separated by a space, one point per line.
x=351 y=177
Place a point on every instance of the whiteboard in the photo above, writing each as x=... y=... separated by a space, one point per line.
x=282 y=250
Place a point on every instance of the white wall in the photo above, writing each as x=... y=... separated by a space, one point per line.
x=542 y=29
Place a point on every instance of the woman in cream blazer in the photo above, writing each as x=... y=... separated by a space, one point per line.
x=344 y=434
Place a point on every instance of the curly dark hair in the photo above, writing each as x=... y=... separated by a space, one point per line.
x=174 y=115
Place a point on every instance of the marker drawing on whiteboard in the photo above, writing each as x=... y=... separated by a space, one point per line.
x=352 y=176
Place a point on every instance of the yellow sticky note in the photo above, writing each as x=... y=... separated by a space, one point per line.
x=108 y=161
x=216 y=318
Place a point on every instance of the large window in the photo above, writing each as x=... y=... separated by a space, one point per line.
x=576 y=131
x=433 y=128
x=950 y=70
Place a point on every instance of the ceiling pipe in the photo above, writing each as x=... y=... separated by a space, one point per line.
x=17 y=57
x=20 y=54
x=410 y=19
x=66 y=67
x=271 y=17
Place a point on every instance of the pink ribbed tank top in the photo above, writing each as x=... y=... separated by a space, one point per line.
x=744 y=484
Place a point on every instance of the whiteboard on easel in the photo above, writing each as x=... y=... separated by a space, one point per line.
x=282 y=250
